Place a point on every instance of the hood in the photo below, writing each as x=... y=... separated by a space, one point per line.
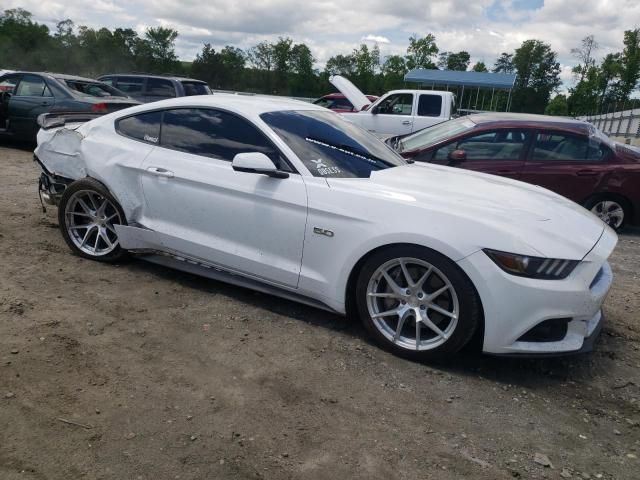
x=510 y=215
x=349 y=90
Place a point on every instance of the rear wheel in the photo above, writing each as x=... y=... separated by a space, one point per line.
x=417 y=303
x=87 y=215
x=611 y=210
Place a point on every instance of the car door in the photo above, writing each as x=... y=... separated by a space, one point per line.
x=498 y=152
x=8 y=85
x=31 y=98
x=242 y=222
x=566 y=163
x=393 y=115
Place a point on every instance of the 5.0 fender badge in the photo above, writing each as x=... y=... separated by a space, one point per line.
x=322 y=231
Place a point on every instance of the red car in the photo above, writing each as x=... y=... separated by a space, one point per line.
x=570 y=157
x=338 y=102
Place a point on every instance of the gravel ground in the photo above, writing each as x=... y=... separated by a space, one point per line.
x=139 y=372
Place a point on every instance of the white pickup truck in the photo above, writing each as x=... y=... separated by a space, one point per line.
x=397 y=112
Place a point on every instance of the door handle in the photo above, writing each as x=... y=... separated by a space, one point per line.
x=586 y=173
x=45 y=103
x=406 y=122
x=160 y=172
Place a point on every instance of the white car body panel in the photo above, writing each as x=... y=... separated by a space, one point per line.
x=257 y=225
x=305 y=234
x=382 y=124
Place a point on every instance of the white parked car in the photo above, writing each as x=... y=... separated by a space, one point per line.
x=398 y=112
x=291 y=199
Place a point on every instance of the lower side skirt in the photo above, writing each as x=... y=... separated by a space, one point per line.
x=213 y=273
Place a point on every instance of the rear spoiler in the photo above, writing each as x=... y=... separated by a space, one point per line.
x=60 y=119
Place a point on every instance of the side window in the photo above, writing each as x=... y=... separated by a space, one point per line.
x=144 y=126
x=214 y=134
x=8 y=83
x=161 y=88
x=131 y=85
x=109 y=81
x=442 y=154
x=32 y=86
x=493 y=145
x=397 y=104
x=558 y=147
x=429 y=105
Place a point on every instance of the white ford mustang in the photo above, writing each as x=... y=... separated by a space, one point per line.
x=290 y=199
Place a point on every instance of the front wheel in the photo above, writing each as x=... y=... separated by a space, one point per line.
x=417 y=303
x=87 y=215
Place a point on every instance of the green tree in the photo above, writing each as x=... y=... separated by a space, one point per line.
x=630 y=63
x=479 y=67
x=584 y=54
x=24 y=44
x=504 y=63
x=341 y=65
x=262 y=56
x=282 y=62
x=557 y=106
x=538 y=74
x=454 y=61
x=304 y=77
x=394 y=69
x=156 y=52
x=584 y=97
x=421 y=52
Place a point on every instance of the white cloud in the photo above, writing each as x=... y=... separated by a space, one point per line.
x=375 y=39
x=484 y=28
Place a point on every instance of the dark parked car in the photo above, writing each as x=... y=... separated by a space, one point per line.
x=570 y=157
x=150 y=88
x=338 y=102
x=25 y=95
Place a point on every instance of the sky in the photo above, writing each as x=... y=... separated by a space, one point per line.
x=484 y=28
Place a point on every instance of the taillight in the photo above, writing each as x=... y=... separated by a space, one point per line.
x=99 y=107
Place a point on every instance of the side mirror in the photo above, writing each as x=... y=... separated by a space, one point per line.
x=375 y=110
x=256 y=162
x=457 y=156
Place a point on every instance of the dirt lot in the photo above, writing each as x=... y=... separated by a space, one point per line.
x=139 y=372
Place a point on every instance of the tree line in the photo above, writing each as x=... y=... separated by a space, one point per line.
x=602 y=86
x=284 y=67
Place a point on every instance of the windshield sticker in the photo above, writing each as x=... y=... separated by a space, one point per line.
x=325 y=170
x=149 y=138
x=340 y=149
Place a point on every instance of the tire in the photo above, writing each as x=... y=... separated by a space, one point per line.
x=87 y=214
x=612 y=210
x=437 y=283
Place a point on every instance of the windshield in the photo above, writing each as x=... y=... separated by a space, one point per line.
x=195 y=88
x=437 y=133
x=93 y=89
x=330 y=146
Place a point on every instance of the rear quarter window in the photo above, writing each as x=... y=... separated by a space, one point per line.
x=195 y=88
x=144 y=127
x=160 y=88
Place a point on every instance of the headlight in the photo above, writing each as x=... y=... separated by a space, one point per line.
x=532 y=267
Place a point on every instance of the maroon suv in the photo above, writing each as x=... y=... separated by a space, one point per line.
x=570 y=157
